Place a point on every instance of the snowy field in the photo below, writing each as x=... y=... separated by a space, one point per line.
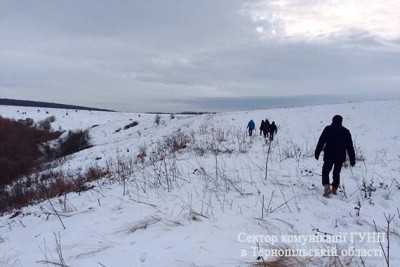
x=204 y=193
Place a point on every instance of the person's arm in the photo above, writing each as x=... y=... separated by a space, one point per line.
x=321 y=143
x=350 y=150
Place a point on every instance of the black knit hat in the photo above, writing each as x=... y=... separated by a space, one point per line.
x=337 y=119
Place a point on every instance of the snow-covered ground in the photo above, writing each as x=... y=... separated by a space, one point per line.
x=222 y=199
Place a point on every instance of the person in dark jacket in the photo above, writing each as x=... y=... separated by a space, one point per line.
x=261 y=127
x=251 y=126
x=264 y=128
x=272 y=131
x=335 y=140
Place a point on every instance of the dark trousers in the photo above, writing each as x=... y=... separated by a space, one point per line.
x=250 y=131
x=271 y=136
x=326 y=169
x=265 y=133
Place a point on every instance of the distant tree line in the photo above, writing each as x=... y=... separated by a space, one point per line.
x=28 y=103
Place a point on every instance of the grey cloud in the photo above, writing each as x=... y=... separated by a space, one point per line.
x=142 y=53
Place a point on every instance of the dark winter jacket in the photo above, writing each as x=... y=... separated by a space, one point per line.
x=272 y=128
x=251 y=125
x=335 y=140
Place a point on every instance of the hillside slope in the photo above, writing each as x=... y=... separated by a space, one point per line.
x=197 y=191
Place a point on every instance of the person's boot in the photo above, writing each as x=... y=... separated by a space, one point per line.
x=327 y=190
x=334 y=190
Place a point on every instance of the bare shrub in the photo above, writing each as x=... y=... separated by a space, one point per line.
x=177 y=141
x=200 y=150
x=203 y=129
x=142 y=153
x=242 y=142
x=217 y=141
x=157 y=119
x=19 y=148
x=44 y=125
x=211 y=146
x=358 y=152
x=120 y=169
x=51 y=119
x=74 y=142
x=45 y=186
x=130 y=125
x=94 y=173
x=291 y=150
x=27 y=121
x=219 y=135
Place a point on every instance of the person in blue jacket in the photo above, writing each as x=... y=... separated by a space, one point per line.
x=251 y=126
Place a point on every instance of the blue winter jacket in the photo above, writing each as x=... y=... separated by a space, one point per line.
x=251 y=125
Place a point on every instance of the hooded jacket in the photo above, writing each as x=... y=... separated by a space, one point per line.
x=335 y=140
x=251 y=125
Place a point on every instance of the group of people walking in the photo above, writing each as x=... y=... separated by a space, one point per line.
x=267 y=129
x=335 y=141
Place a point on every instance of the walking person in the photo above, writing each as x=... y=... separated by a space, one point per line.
x=272 y=131
x=335 y=140
x=261 y=127
x=264 y=128
x=251 y=126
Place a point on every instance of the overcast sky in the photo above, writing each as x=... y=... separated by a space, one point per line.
x=179 y=55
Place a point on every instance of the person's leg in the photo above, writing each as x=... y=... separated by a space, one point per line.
x=336 y=176
x=326 y=169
